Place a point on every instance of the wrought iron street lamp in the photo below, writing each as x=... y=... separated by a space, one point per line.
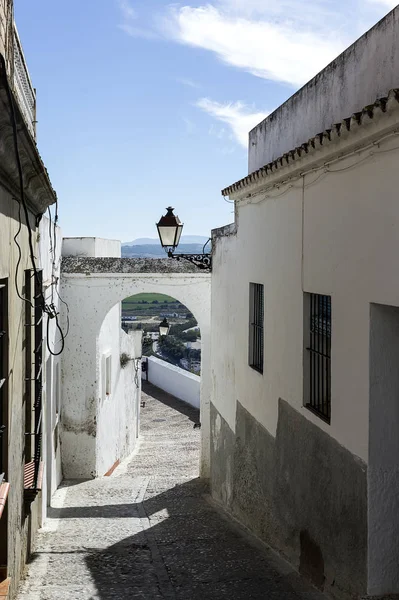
x=169 y=230
x=164 y=327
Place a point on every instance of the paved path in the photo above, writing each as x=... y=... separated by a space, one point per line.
x=149 y=531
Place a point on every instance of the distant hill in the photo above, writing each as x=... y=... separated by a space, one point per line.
x=156 y=251
x=185 y=239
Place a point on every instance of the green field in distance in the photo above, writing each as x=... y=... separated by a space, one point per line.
x=162 y=298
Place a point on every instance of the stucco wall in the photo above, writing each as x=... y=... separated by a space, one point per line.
x=117 y=412
x=367 y=70
x=174 y=380
x=49 y=259
x=90 y=298
x=90 y=246
x=332 y=231
x=21 y=529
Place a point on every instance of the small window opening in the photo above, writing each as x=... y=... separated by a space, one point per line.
x=256 y=316
x=318 y=375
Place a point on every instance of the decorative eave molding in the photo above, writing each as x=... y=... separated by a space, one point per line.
x=38 y=190
x=331 y=141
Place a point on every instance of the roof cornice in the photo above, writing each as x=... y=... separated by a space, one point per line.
x=347 y=130
x=38 y=190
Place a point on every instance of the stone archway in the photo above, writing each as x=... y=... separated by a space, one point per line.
x=92 y=287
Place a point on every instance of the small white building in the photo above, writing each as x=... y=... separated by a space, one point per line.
x=101 y=372
x=305 y=327
x=100 y=395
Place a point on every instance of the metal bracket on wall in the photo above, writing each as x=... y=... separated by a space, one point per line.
x=202 y=261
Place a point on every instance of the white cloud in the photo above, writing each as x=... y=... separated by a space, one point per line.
x=189 y=126
x=129 y=18
x=240 y=118
x=387 y=3
x=273 y=48
x=298 y=11
x=127 y=9
x=188 y=82
x=288 y=41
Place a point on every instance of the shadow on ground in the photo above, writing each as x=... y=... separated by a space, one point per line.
x=151 y=532
x=171 y=401
x=189 y=551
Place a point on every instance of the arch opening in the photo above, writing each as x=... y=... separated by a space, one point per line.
x=92 y=365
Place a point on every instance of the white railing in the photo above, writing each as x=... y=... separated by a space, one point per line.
x=23 y=87
x=174 y=380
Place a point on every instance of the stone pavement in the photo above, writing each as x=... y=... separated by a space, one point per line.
x=149 y=531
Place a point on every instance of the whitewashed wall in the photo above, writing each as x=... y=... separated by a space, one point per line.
x=49 y=260
x=90 y=298
x=117 y=411
x=98 y=434
x=174 y=380
x=90 y=246
x=332 y=233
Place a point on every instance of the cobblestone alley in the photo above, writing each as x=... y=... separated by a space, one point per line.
x=149 y=531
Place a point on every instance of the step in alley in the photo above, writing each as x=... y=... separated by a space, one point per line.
x=150 y=530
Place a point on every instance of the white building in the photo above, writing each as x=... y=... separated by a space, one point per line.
x=102 y=382
x=100 y=399
x=305 y=296
x=26 y=287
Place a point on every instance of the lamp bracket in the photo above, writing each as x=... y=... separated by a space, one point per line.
x=202 y=261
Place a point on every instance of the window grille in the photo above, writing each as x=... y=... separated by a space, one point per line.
x=3 y=371
x=34 y=382
x=319 y=374
x=256 y=315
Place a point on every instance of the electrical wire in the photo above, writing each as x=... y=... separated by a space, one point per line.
x=19 y=255
x=67 y=310
x=20 y=173
x=49 y=310
x=54 y=278
x=57 y=325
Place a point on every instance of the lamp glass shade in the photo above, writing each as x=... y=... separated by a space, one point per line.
x=169 y=229
x=164 y=327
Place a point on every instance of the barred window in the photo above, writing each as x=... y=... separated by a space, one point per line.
x=3 y=378
x=256 y=315
x=34 y=381
x=319 y=356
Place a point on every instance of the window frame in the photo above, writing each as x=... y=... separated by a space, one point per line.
x=33 y=467
x=256 y=327
x=107 y=374
x=317 y=354
x=4 y=322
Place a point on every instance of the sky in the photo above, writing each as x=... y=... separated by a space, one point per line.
x=144 y=104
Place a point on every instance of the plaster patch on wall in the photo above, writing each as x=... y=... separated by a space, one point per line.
x=216 y=428
x=88 y=426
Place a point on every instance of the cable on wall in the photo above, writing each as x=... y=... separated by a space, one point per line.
x=49 y=310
